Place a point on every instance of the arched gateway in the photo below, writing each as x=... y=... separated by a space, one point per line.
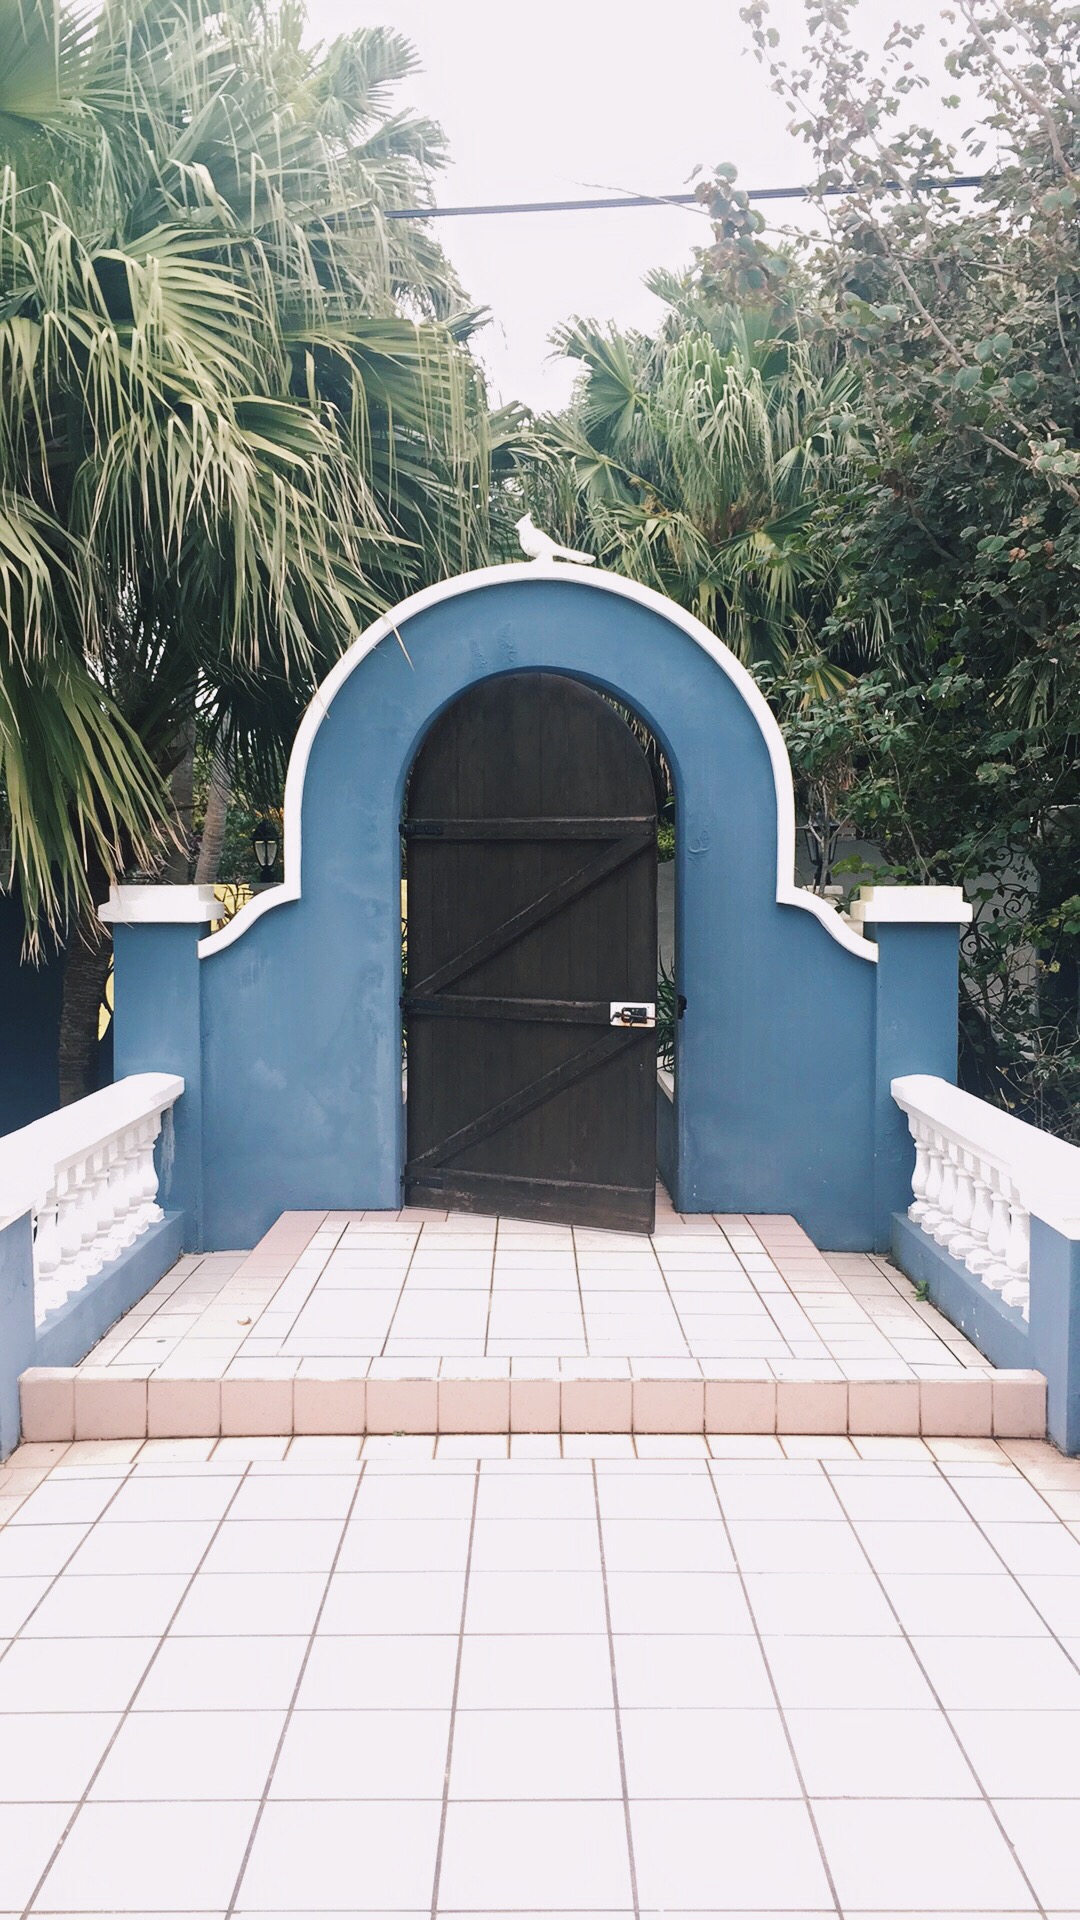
x=287 y=1023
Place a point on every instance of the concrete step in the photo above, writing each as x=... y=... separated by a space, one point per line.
x=521 y=1396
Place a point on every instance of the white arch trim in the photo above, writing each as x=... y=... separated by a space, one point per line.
x=787 y=893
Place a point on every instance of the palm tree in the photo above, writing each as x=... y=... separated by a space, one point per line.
x=237 y=412
x=693 y=461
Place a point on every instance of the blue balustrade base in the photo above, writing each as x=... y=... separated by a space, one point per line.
x=67 y=1334
x=998 y=1331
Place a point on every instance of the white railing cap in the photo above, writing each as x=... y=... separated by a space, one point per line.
x=31 y=1157
x=1044 y=1170
x=160 y=906
x=911 y=906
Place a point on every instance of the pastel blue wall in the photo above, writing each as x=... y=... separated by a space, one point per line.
x=67 y=1333
x=1055 y=1329
x=999 y=1332
x=17 y=1335
x=157 y=985
x=779 y=1085
x=917 y=1022
x=1049 y=1342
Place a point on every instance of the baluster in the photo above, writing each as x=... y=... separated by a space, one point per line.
x=921 y=1170
x=48 y=1290
x=129 y=1225
x=150 y=1131
x=935 y=1174
x=1016 y=1291
x=998 y=1273
x=113 y=1201
x=94 y=1213
x=80 y=1222
x=945 y=1223
x=69 y=1224
x=144 y=1210
x=127 y=1191
x=1018 y=1250
x=47 y=1250
x=978 y=1254
x=963 y=1238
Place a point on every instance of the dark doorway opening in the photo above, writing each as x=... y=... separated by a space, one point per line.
x=530 y=989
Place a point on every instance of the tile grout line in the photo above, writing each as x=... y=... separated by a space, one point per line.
x=330 y=1251
x=121 y=1482
x=632 y=1861
x=418 y=1235
x=491 y=1297
x=291 y=1708
x=118 y=1358
x=581 y=1310
x=444 y=1809
x=122 y=1721
x=773 y=1688
x=790 y=1296
x=665 y=1284
x=264 y=1307
x=979 y=1525
x=938 y=1702
x=193 y=1332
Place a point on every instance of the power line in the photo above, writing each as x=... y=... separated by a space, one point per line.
x=661 y=200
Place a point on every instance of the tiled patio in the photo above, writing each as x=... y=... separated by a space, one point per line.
x=395 y=1286
x=434 y=1322
x=809 y=1678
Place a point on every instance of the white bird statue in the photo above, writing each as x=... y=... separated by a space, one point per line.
x=540 y=546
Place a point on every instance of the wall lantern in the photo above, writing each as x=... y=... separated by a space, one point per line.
x=264 y=840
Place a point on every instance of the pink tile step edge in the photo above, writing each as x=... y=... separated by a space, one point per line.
x=67 y=1403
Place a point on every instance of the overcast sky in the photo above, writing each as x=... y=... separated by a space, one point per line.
x=559 y=100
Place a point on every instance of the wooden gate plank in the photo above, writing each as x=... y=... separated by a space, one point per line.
x=613 y=1041
x=517 y=925
x=548 y=827
x=464 y=1006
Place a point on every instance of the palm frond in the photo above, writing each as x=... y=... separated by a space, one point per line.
x=695 y=462
x=233 y=423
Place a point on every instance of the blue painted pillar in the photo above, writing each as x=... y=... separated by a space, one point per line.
x=17 y=1335
x=917 y=932
x=1055 y=1328
x=157 y=1021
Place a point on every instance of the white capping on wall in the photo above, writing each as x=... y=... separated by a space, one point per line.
x=593 y=580
x=160 y=906
x=980 y=1174
x=87 y=1175
x=911 y=906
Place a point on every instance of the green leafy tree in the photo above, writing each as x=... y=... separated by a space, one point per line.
x=237 y=413
x=960 y=751
x=692 y=461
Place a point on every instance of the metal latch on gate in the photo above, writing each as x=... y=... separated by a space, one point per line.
x=631 y=1013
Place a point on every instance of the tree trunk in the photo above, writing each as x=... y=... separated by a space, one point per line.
x=215 y=823
x=85 y=973
x=176 y=871
x=89 y=952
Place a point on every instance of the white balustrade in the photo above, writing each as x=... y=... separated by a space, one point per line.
x=979 y=1175
x=87 y=1176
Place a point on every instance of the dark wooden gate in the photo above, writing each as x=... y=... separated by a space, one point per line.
x=531 y=837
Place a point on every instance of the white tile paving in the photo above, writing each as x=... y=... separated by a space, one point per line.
x=799 y=1677
x=708 y=1289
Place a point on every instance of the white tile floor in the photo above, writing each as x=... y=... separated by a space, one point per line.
x=492 y=1676
x=706 y=1290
